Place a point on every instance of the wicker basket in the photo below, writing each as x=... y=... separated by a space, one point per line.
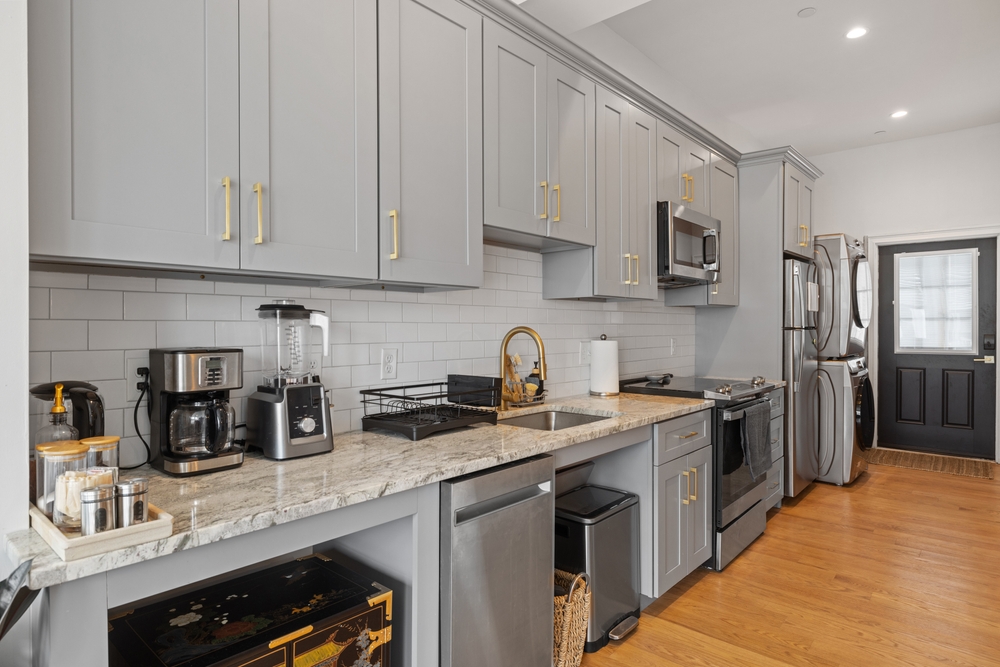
x=572 y=613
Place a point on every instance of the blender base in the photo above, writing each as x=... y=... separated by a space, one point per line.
x=289 y=422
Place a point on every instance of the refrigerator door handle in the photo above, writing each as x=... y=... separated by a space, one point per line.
x=799 y=343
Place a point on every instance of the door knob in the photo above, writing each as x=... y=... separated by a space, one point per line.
x=986 y=360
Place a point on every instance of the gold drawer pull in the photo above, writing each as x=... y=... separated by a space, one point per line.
x=260 y=213
x=636 y=258
x=805 y=236
x=687 y=500
x=555 y=188
x=695 y=496
x=291 y=636
x=394 y=214
x=628 y=263
x=226 y=183
x=689 y=435
x=544 y=185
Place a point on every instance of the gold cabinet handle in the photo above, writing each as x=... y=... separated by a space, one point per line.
x=394 y=214
x=804 y=231
x=689 y=435
x=260 y=213
x=691 y=196
x=555 y=188
x=226 y=183
x=636 y=258
x=695 y=496
x=687 y=499
x=685 y=197
x=628 y=263
x=545 y=193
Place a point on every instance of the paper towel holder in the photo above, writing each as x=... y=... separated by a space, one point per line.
x=603 y=394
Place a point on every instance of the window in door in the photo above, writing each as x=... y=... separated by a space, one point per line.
x=935 y=306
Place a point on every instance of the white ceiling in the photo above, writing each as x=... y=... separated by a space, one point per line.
x=799 y=81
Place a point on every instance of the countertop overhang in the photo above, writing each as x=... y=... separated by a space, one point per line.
x=363 y=466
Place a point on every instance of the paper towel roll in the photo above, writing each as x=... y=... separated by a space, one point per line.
x=604 y=368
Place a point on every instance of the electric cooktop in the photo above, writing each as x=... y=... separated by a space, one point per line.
x=718 y=389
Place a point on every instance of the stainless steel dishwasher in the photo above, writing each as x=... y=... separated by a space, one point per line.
x=497 y=541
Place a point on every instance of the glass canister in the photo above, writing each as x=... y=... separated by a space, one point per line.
x=103 y=452
x=287 y=353
x=132 y=501
x=59 y=464
x=97 y=509
x=36 y=482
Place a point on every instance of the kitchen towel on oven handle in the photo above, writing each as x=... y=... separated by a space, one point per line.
x=755 y=431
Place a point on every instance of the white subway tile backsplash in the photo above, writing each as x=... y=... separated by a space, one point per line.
x=50 y=335
x=155 y=306
x=71 y=304
x=213 y=307
x=89 y=366
x=187 y=334
x=436 y=333
x=122 y=335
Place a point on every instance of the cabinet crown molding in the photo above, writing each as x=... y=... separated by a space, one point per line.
x=512 y=15
x=784 y=154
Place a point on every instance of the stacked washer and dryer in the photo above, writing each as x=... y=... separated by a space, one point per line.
x=846 y=402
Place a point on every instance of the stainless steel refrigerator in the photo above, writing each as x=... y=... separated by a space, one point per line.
x=799 y=369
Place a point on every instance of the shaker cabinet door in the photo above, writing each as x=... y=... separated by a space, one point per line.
x=515 y=169
x=670 y=517
x=134 y=127
x=797 y=234
x=309 y=137
x=430 y=143
x=613 y=275
x=642 y=203
x=724 y=190
x=698 y=162
x=701 y=520
x=571 y=155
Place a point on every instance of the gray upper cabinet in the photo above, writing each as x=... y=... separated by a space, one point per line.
x=725 y=205
x=642 y=203
x=683 y=169
x=515 y=161
x=613 y=260
x=798 y=189
x=309 y=137
x=431 y=142
x=571 y=155
x=134 y=127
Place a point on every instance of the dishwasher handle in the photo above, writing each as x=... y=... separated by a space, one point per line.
x=502 y=502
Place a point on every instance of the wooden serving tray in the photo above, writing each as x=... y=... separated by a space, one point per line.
x=159 y=526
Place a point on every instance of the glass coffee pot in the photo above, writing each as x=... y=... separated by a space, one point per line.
x=202 y=426
x=287 y=352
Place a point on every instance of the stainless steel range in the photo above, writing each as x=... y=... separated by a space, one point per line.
x=740 y=516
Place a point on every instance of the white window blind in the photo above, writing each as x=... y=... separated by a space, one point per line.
x=936 y=304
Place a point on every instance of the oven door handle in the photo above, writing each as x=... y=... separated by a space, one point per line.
x=736 y=415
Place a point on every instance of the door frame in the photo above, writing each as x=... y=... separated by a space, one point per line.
x=872 y=245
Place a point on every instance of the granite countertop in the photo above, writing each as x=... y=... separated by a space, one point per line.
x=363 y=466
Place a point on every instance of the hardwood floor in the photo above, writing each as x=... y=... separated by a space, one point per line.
x=902 y=568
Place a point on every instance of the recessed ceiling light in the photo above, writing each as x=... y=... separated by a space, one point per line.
x=900 y=114
x=807 y=12
x=857 y=32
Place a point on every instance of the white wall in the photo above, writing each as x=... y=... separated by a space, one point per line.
x=609 y=46
x=89 y=327
x=940 y=182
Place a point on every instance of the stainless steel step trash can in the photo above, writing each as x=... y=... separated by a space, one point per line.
x=597 y=532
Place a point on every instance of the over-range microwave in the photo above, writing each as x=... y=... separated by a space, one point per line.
x=688 y=246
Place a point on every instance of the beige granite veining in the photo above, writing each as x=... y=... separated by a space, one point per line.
x=363 y=466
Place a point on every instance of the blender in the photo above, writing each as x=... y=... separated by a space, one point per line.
x=289 y=414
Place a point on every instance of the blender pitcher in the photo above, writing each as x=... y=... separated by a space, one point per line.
x=286 y=342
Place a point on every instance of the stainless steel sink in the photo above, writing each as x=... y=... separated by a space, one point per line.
x=551 y=420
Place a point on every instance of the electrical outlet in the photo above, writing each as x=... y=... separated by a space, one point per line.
x=673 y=346
x=387 y=369
x=132 y=377
x=584 y=352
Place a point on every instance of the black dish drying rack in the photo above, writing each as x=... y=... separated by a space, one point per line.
x=418 y=410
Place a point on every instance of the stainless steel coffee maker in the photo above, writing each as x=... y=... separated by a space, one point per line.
x=192 y=425
x=289 y=414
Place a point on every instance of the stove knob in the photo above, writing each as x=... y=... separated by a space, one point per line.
x=757 y=381
x=307 y=425
x=724 y=389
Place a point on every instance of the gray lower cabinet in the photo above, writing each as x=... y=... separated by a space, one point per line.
x=682 y=517
x=621 y=265
x=797 y=211
x=683 y=169
x=135 y=124
x=308 y=186
x=430 y=143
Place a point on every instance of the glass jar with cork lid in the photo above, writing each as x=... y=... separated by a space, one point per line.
x=58 y=461
x=103 y=452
